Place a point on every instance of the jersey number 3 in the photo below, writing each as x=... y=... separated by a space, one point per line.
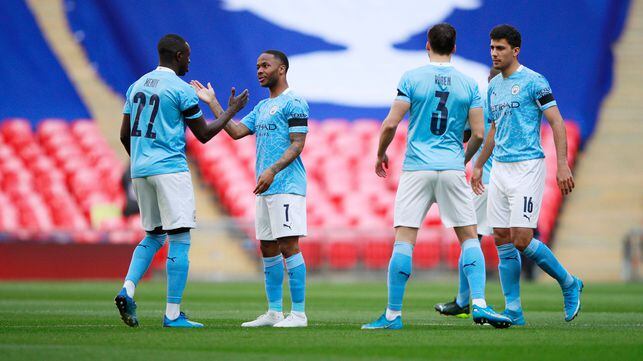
x=141 y=99
x=440 y=116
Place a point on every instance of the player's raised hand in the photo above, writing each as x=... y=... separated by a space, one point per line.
x=381 y=166
x=237 y=103
x=264 y=182
x=206 y=95
x=565 y=179
x=476 y=181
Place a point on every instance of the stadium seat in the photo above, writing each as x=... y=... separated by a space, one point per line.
x=345 y=194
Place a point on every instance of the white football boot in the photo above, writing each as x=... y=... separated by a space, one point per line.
x=269 y=318
x=294 y=319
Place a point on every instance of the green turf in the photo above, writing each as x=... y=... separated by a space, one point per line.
x=64 y=321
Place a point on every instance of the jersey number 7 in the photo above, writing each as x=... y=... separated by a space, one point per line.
x=140 y=98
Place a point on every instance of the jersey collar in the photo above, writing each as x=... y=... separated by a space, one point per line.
x=441 y=64
x=162 y=68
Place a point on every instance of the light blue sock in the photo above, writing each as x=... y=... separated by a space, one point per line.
x=463 y=288
x=297 y=281
x=473 y=267
x=399 y=271
x=143 y=255
x=509 y=271
x=273 y=270
x=177 y=266
x=543 y=256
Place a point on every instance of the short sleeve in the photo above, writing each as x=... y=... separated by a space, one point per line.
x=404 y=89
x=476 y=100
x=250 y=119
x=189 y=103
x=541 y=93
x=127 y=108
x=297 y=116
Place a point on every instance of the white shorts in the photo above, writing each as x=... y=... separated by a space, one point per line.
x=516 y=193
x=418 y=190
x=166 y=200
x=480 y=204
x=280 y=215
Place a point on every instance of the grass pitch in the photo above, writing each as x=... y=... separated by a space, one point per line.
x=78 y=320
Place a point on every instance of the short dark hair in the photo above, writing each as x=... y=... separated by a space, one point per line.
x=169 y=45
x=508 y=32
x=279 y=55
x=442 y=38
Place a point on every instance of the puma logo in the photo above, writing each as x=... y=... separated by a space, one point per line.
x=142 y=245
x=528 y=218
x=515 y=258
x=469 y=264
x=405 y=274
x=286 y=225
x=173 y=259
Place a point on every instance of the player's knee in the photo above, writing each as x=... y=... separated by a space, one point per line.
x=178 y=230
x=289 y=246
x=156 y=231
x=501 y=236
x=269 y=248
x=521 y=243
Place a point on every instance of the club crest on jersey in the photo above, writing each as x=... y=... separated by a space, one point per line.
x=515 y=89
x=274 y=109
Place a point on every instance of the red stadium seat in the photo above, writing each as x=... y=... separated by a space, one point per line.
x=342 y=254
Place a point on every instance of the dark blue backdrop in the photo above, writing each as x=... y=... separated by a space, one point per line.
x=32 y=84
x=567 y=41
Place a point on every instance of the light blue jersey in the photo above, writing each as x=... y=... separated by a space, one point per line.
x=272 y=121
x=158 y=104
x=516 y=104
x=440 y=98
x=486 y=168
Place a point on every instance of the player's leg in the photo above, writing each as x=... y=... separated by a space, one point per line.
x=509 y=266
x=455 y=199
x=460 y=306
x=288 y=223
x=525 y=209
x=273 y=268
x=499 y=214
x=176 y=205
x=144 y=251
x=414 y=197
x=177 y=266
x=296 y=268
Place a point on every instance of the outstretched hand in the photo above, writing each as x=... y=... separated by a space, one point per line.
x=206 y=95
x=236 y=103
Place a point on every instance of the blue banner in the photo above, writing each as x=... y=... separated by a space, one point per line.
x=347 y=56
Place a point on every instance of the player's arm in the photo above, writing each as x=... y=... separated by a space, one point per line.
x=476 y=123
x=204 y=131
x=387 y=133
x=487 y=149
x=564 y=175
x=297 y=142
x=125 y=133
x=207 y=95
x=466 y=135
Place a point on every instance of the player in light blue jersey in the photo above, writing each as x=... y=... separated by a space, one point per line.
x=459 y=307
x=280 y=124
x=518 y=98
x=441 y=100
x=157 y=109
